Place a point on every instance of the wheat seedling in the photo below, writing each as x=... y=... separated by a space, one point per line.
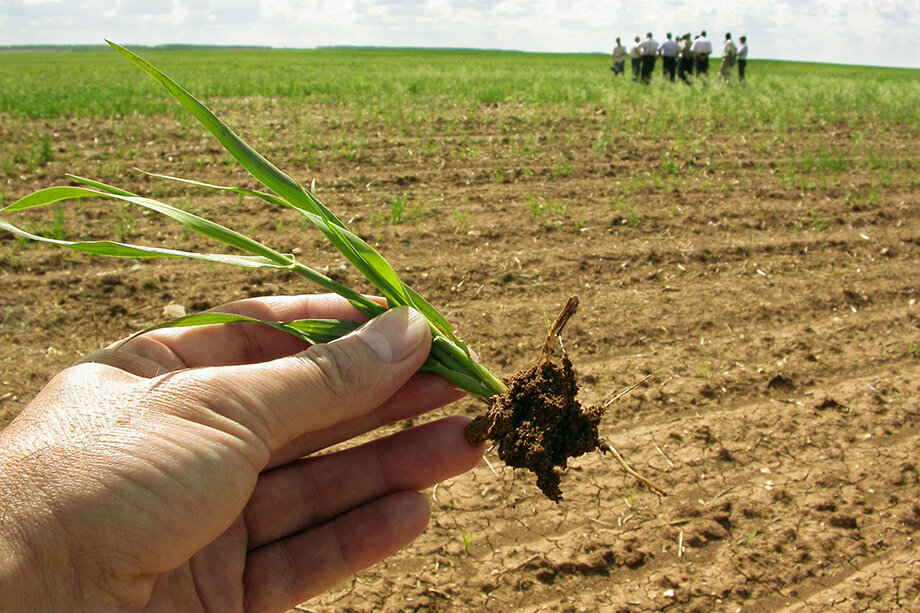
x=449 y=357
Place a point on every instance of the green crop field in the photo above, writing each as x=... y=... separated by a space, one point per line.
x=780 y=94
x=417 y=94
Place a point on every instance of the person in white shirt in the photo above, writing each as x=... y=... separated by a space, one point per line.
x=729 y=55
x=742 y=58
x=702 y=49
x=619 y=58
x=649 y=51
x=635 y=54
x=669 y=51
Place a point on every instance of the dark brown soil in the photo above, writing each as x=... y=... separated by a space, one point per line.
x=538 y=424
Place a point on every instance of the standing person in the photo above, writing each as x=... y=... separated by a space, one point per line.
x=702 y=49
x=649 y=52
x=685 y=64
x=619 y=58
x=669 y=51
x=742 y=58
x=635 y=55
x=729 y=55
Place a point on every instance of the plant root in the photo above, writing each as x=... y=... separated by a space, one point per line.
x=538 y=424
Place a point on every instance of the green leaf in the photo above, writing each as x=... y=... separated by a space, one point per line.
x=264 y=171
x=271 y=198
x=315 y=332
x=434 y=317
x=361 y=255
x=123 y=250
x=101 y=186
x=411 y=296
x=322 y=330
x=312 y=331
x=200 y=225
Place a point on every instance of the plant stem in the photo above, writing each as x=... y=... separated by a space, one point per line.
x=447 y=359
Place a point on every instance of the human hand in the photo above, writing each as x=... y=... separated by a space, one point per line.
x=169 y=475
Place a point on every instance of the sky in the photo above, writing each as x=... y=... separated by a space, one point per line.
x=870 y=32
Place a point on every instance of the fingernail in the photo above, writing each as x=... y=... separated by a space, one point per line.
x=395 y=335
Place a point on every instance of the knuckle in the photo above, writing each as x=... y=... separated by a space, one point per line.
x=338 y=369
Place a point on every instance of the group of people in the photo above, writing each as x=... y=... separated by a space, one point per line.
x=682 y=57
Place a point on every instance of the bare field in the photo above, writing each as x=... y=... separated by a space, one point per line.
x=765 y=280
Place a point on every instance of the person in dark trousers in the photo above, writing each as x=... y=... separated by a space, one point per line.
x=702 y=49
x=685 y=63
x=669 y=51
x=635 y=56
x=649 y=52
x=742 y=58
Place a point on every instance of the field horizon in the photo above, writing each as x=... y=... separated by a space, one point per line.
x=76 y=48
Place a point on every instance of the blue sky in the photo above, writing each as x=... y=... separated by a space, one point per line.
x=875 y=32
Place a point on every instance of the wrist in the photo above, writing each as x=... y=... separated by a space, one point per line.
x=14 y=578
x=18 y=572
x=26 y=582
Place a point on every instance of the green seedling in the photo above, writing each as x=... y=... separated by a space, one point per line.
x=467 y=542
x=750 y=537
x=816 y=222
x=449 y=356
x=913 y=349
x=399 y=206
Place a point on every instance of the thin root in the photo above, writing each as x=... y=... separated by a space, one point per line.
x=626 y=391
x=632 y=473
x=489 y=464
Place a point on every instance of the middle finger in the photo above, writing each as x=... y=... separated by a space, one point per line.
x=296 y=496
x=422 y=393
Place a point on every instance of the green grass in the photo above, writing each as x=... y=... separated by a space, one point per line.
x=95 y=83
x=26 y=157
x=403 y=86
x=550 y=213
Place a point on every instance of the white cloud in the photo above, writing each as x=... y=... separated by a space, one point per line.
x=846 y=31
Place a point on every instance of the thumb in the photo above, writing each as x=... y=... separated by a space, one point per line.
x=326 y=384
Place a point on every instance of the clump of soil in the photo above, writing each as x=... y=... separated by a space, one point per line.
x=538 y=424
